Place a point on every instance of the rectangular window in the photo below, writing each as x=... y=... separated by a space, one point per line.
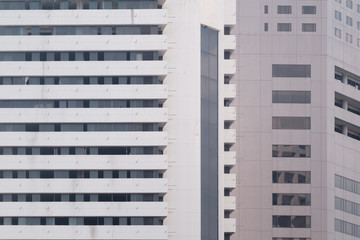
x=358 y=42
x=358 y=8
x=358 y=25
x=338 y=15
x=291 y=221
x=309 y=27
x=284 y=27
x=291 y=97
x=349 y=38
x=291 y=151
x=291 y=199
x=266 y=9
x=291 y=70
x=308 y=9
x=293 y=177
x=291 y=122
x=337 y=32
x=349 y=4
x=283 y=9
x=266 y=27
x=349 y=21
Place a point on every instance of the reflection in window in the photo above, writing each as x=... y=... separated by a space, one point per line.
x=291 y=151
x=303 y=177
x=291 y=199
x=291 y=221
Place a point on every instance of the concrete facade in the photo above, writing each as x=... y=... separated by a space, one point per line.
x=270 y=35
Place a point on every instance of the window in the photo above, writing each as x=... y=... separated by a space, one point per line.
x=339 y=1
x=358 y=8
x=349 y=21
x=291 y=221
x=291 y=151
x=284 y=9
x=349 y=4
x=291 y=70
x=291 y=122
x=291 y=199
x=266 y=27
x=337 y=32
x=266 y=9
x=347 y=228
x=294 y=177
x=308 y=9
x=309 y=27
x=284 y=27
x=358 y=42
x=291 y=97
x=349 y=38
x=338 y=15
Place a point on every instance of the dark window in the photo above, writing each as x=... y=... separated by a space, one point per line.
x=301 y=177
x=291 y=221
x=291 y=122
x=291 y=70
x=291 y=97
x=291 y=151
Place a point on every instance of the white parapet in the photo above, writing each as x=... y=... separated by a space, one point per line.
x=229 y=135
x=229 y=91
x=229 y=202
x=230 y=158
x=229 y=66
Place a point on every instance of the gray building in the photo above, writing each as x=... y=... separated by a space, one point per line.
x=298 y=120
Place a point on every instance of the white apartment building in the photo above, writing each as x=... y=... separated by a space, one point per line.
x=113 y=123
x=298 y=159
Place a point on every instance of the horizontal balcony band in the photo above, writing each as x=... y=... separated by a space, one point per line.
x=83 y=186
x=83 y=139
x=91 y=92
x=85 y=232
x=84 y=43
x=86 y=18
x=84 y=162
x=83 y=68
x=84 y=115
x=83 y=209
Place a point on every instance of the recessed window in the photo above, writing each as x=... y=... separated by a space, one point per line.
x=337 y=32
x=266 y=27
x=291 y=70
x=293 y=177
x=291 y=151
x=338 y=15
x=349 y=21
x=291 y=97
x=349 y=4
x=358 y=8
x=266 y=9
x=358 y=25
x=339 y=1
x=284 y=27
x=358 y=42
x=291 y=122
x=309 y=9
x=309 y=27
x=284 y=9
x=291 y=221
x=349 y=38
x=291 y=199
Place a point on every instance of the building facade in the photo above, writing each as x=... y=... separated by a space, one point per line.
x=298 y=66
x=112 y=115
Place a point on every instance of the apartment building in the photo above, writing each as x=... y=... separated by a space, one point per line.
x=298 y=76
x=116 y=120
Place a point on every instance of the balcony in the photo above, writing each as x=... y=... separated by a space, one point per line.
x=229 y=203
x=229 y=42
x=229 y=135
x=229 y=180
x=229 y=225
x=229 y=91
x=230 y=158
x=229 y=66
x=229 y=113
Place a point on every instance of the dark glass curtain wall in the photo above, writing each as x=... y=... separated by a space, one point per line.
x=209 y=134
